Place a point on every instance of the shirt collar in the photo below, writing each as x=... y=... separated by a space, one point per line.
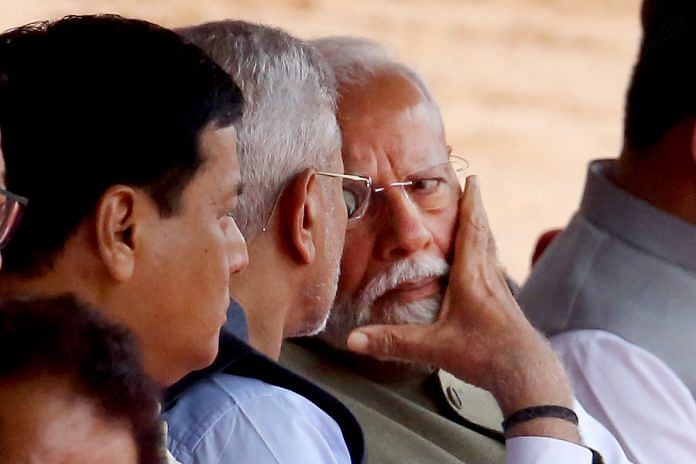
x=168 y=457
x=637 y=221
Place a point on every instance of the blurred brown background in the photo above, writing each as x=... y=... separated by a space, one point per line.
x=530 y=89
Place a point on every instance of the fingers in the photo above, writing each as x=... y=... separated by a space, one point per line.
x=403 y=342
x=474 y=240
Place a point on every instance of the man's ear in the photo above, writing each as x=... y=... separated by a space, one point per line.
x=115 y=224
x=300 y=208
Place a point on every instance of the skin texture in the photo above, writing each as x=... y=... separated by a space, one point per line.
x=53 y=424
x=298 y=257
x=389 y=131
x=166 y=279
x=192 y=255
x=481 y=335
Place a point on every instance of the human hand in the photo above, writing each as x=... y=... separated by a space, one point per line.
x=481 y=336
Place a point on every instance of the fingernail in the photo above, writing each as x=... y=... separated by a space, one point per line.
x=474 y=180
x=357 y=341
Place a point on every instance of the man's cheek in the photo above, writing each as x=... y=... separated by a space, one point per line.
x=349 y=277
x=354 y=266
x=446 y=232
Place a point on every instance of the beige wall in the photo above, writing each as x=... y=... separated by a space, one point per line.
x=530 y=89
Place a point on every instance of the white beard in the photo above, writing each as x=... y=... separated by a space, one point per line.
x=350 y=313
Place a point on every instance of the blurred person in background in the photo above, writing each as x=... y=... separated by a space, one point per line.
x=452 y=303
x=247 y=408
x=132 y=174
x=72 y=388
x=616 y=289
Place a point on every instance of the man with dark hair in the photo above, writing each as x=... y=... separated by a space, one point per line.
x=120 y=133
x=616 y=289
x=72 y=388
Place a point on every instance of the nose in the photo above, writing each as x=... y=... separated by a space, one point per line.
x=238 y=256
x=403 y=228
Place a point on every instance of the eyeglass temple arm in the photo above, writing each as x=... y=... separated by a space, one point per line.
x=346 y=176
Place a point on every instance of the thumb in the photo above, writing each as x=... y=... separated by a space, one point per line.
x=402 y=342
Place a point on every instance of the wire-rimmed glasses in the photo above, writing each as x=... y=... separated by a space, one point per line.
x=346 y=178
x=11 y=207
x=429 y=188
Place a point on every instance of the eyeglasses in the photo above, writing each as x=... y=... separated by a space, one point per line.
x=344 y=177
x=430 y=188
x=11 y=207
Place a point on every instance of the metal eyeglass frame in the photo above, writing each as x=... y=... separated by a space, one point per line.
x=320 y=173
x=362 y=209
x=10 y=214
x=368 y=182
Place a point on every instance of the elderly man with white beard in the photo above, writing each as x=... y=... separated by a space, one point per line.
x=395 y=270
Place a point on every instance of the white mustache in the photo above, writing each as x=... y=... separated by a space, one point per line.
x=419 y=266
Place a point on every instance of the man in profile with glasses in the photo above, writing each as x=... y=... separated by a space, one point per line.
x=400 y=266
x=247 y=408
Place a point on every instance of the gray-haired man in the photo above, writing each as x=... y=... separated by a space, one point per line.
x=294 y=219
x=419 y=253
x=294 y=242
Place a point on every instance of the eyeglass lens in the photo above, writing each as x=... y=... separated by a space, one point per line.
x=10 y=212
x=429 y=188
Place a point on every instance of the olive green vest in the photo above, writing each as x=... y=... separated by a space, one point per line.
x=421 y=418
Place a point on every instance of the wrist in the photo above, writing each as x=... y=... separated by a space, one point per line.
x=550 y=427
x=531 y=376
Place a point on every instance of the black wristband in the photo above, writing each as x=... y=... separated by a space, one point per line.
x=536 y=412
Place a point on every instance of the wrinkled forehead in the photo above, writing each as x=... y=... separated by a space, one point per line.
x=389 y=128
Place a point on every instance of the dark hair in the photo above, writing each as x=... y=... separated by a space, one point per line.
x=62 y=337
x=662 y=93
x=87 y=102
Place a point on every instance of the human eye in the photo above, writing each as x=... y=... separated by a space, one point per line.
x=426 y=185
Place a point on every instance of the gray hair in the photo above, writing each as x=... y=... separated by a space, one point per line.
x=289 y=121
x=355 y=61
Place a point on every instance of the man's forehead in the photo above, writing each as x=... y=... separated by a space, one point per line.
x=219 y=153
x=395 y=162
x=389 y=125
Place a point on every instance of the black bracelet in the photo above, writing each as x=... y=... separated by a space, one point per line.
x=536 y=412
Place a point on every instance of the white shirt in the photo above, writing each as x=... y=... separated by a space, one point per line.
x=171 y=459
x=167 y=455
x=633 y=393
